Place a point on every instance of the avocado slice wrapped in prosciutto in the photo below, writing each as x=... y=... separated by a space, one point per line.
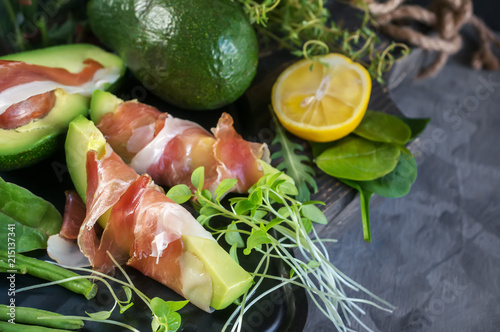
x=170 y=149
x=129 y=216
x=144 y=229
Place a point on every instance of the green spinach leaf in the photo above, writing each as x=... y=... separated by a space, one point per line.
x=364 y=202
x=395 y=184
x=398 y=182
x=383 y=127
x=417 y=125
x=366 y=152
x=356 y=158
x=30 y=217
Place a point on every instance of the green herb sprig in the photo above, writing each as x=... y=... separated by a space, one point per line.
x=26 y=25
x=274 y=224
x=305 y=27
x=296 y=165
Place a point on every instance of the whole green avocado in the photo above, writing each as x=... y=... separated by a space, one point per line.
x=195 y=54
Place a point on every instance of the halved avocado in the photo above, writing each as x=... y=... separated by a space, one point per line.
x=30 y=143
x=229 y=279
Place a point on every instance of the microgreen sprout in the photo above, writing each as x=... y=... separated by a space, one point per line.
x=273 y=223
x=165 y=315
x=306 y=29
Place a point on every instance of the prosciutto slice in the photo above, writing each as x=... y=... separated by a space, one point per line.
x=14 y=73
x=107 y=180
x=26 y=90
x=74 y=215
x=170 y=149
x=35 y=107
x=144 y=228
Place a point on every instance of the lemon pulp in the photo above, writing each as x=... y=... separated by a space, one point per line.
x=324 y=100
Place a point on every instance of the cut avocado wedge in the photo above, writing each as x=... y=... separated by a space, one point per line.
x=34 y=141
x=103 y=102
x=229 y=279
x=82 y=137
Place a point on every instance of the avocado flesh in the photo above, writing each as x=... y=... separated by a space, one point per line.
x=193 y=54
x=229 y=280
x=103 y=102
x=29 y=157
x=82 y=137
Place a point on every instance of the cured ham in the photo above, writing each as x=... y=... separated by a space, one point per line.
x=74 y=215
x=15 y=73
x=130 y=128
x=35 y=107
x=143 y=229
x=170 y=149
x=107 y=180
x=27 y=90
x=236 y=157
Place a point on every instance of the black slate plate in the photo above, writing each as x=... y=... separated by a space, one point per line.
x=283 y=310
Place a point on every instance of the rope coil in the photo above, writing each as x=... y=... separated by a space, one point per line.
x=447 y=18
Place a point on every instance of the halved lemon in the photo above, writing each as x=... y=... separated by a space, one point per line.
x=322 y=101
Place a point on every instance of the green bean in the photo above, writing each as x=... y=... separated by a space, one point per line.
x=4 y=267
x=24 y=315
x=8 y=327
x=47 y=271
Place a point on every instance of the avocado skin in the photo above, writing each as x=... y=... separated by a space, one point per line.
x=32 y=156
x=195 y=54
